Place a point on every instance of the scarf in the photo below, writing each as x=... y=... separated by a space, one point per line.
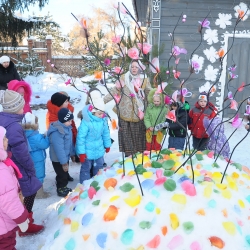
x=132 y=82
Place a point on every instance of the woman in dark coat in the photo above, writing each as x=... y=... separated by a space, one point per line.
x=8 y=72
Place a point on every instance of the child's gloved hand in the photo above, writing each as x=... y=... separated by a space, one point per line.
x=161 y=126
x=24 y=226
x=65 y=167
x=107 y=150
x=82 y=157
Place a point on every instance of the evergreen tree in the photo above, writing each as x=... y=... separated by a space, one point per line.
x=32 y=65
x=46 y=26
x=13 y=28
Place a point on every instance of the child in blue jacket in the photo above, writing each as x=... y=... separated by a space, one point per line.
x=93 y=138
x=38 y=143
x=61 y=149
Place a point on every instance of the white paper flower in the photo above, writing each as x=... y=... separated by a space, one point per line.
x=199 y=60
x=241 y=10
x=211 y=36
x=223 y=20
x=210 y=73
x=211 y=54
x=206 y=87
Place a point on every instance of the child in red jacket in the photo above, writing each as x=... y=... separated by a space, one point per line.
x=13 y=214
x=203 y=108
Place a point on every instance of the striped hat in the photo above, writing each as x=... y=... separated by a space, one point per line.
x=11 y=101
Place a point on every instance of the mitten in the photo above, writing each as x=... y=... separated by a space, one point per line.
x=82 y=157
x=107 y=150
x=65 y=167
x=161 y=126
x=24 y=226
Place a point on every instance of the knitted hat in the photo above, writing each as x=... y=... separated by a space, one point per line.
x=203 y=96
x=58 y=99
x=29 y=118
x=4 y=59
x=97 y=101
x=11 y=101
x=3 y=153
x=65 y=115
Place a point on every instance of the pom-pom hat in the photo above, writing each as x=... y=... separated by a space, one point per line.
x=203 y=96
x=11 y=101
x=4 y=59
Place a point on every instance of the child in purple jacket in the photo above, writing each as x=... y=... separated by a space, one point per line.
x=11 y=118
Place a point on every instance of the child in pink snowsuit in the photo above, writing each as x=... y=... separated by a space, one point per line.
x=12 y=211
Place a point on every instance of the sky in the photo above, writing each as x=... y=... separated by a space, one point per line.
x=61 y=10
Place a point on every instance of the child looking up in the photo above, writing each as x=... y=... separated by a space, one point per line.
x=37 y=145
x=11 y=118
x=93 y=138
x=155 y=114
x=203 y=108
x=12 y=211
x=61 y=149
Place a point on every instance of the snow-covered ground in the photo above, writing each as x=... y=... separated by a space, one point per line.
x=43 y=87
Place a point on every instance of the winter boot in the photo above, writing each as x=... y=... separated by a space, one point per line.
x=63 y=192
x=32 y=229
x=42 y=194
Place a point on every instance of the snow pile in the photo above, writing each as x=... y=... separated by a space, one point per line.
x=109 y=211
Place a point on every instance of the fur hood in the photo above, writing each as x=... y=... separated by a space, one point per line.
x=15 y=85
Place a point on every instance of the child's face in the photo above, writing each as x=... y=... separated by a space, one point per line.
x=5 y=143
x=99 y=114
x=157 y=101
x=202 y=103
x=172 y=107
x=68 y=123
x=65 y=104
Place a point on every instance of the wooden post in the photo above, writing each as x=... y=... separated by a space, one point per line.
x=49 y=51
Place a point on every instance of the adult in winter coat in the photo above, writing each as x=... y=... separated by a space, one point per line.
x=8 y=72
x=132 y=90
x=24 y=89
x=155 y=114
x=11 y=118
x=93 y=140
x=203 y=108
x=12 y=211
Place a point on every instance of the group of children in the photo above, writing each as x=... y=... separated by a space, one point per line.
x=200 y=120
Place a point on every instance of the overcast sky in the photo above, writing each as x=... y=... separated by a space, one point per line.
x=61 y=10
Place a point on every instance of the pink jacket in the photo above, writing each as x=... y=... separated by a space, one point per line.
x=22 y=86
x=12 y=211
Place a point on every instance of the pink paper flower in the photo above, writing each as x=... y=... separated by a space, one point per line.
x=132 y=95
x=133 y=53
x=196 y=66
x=177 y=51
x=156 y=64
x=236 y=121
x=234 y=105
x=171 y=115
x=48 y=61
x=241 y=87
x=52 y=65
x=117 y=98
x=145 y=47
x=90 y=107
x=230 y=95
x=167 y=99
x=68 y=82
x=107 y=61
x=233 y=76
x=177 y=74
x=205 y=23
x=116 y=39
x=161 y=87
x=117 y=70
x=140 y=114
x=119 y=84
